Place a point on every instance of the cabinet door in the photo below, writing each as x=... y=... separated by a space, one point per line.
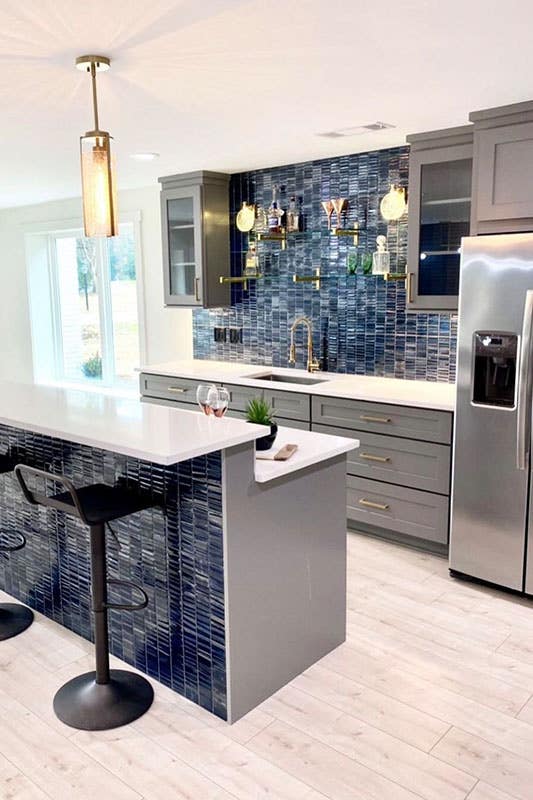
x=181 y=217
x=504 y=176
x=440 y=187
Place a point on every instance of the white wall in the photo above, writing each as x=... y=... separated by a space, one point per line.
x=168 y=330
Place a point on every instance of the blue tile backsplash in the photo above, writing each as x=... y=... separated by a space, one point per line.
x=360 y=322
x=175 y=552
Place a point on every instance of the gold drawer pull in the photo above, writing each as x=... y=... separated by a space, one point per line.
x=371 y=457
x=176 y=389
x=380 y=506
x=369 y=418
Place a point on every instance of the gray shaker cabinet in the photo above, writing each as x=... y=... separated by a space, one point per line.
x=440 y=183
x=195 y=230
x=502 y=199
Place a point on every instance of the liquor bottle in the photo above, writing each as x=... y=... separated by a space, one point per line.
x=293 y=216
x=275 y=213
x=251 y=265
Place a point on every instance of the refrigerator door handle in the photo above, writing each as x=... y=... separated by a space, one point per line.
x=523 y=405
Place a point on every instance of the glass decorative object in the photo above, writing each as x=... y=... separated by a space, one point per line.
x=381 y=257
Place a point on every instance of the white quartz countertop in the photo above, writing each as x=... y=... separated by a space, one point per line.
x=123 y=425
x=420 y=394
x=313 y=448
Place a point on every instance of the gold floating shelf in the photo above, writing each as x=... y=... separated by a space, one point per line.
x=243 y=280
x=315 y=280
x=347 y=232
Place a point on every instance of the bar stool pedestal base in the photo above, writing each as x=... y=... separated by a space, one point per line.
x=14 y=619
x=89 y=706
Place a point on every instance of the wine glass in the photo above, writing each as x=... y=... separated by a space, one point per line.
x=327 y=205
x=206 y=397
x=221 y=403
x=339 y=204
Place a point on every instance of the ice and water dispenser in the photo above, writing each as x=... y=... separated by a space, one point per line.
x=495 y=357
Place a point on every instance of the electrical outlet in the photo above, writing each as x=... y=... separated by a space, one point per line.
x=219 y=334
x=235 y=335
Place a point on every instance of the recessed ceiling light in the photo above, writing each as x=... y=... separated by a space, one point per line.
x=144 y=156
x=356 y=130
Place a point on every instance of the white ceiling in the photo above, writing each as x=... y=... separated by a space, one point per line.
x=233 y=84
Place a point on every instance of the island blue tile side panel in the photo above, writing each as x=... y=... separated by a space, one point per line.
x=176 y=555
x=360 y=322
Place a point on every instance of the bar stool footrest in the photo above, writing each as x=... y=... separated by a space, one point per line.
x=14 y=619
x=20 y=542
x=89 y=706
x=127 y=606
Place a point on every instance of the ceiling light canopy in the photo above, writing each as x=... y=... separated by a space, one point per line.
x=99 y=191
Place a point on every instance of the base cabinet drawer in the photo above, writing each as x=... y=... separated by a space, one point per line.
x=240 y=396
x=179 y=389
x=391 y=420
x=406 y=462
x=286 y=405
x=422 y=515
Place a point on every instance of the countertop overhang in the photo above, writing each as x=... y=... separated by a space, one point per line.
x=397 y=391
x=153 y=433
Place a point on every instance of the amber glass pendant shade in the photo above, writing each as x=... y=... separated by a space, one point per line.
x=98 y=186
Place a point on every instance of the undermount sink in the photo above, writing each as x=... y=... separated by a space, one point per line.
x=277 y=378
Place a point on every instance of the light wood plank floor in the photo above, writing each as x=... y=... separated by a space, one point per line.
x=431 y=697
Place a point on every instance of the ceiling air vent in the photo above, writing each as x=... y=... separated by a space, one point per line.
x=356 y=130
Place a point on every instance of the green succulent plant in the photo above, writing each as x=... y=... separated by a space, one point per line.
x=259 y=412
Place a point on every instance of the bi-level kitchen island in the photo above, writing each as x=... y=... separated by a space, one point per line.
x=244 y=562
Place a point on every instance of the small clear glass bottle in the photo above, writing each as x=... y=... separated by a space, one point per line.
x=293 y=216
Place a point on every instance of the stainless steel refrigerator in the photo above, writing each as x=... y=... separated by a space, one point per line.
x=492 y=522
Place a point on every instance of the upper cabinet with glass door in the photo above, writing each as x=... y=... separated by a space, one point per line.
x=195 y=226
x=440 y=189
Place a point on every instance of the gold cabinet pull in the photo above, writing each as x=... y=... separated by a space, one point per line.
x=369 y=418
x=197 y=289
x=380 y=506
x=176 y=389
x=371 y=457
x=410 y=287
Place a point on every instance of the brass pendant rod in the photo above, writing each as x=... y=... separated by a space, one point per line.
x=95 y=98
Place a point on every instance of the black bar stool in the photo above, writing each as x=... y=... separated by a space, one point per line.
x=14 y=618
x=105 y=698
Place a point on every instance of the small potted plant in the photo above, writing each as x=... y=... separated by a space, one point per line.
x=260 y=413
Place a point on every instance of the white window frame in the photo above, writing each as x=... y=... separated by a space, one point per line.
x=47 y=351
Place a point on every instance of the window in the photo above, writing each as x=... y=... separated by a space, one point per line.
x=87 y=330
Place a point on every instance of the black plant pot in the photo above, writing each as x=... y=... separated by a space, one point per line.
x=266 y=442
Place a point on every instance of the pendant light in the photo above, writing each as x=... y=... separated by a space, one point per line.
x=394 y=204
x=99 y=191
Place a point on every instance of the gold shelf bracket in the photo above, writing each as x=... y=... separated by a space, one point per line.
x=274 y=237
x=309 y=279
x=402 y=276
x=348 y=232
x=244 y=280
